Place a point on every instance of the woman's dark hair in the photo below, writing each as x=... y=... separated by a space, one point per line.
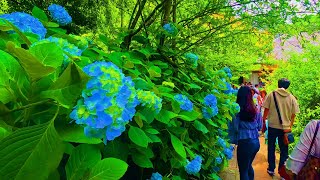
x=247 y=108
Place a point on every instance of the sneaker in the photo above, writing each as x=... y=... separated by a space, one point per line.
x=271 y=173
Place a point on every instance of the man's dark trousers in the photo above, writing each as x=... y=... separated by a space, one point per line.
x=273 y=134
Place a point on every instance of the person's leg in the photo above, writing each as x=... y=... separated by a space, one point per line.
x=283 y=150
x=243 y=159
x=272 y=135
x=255 y=148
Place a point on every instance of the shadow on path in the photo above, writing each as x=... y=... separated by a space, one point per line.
x=260 y=165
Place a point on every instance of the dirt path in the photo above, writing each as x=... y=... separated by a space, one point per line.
x=260 y=165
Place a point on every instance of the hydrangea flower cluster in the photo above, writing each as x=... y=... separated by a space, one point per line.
x=59 y=14
x=108 y=102
x=194 y=166
x=236 y=107
x=26 y=23
x=218 y=160
x=156 y=176
x=228 y=71
x=150 y=100
x=65 y=46
x=210 y=110
x=228 y=152
x=185 y=103
x=222 y=142
x=170 y=28
x=192 y=59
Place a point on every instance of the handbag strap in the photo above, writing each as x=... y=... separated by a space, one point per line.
x=277 y=107
x=313 y=139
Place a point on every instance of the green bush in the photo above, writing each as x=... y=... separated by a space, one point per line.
x=44 y=80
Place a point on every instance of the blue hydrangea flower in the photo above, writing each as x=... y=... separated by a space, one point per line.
x=229 y=75
x=26 y=23
x=156 y=176
x=108 y=102
x=218 y=160
x=192 y=59
x=227 y=70
x=185 y=103
x=209 y=112
x=210 y=100
x=150 y=100
x=222 y=142
x=228 y=152
x=65 y=46
x=236 y=107
x=59 y=14
x=170 y=28
x=194 y=166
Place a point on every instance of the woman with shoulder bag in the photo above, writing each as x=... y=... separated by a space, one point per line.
x=304 y=161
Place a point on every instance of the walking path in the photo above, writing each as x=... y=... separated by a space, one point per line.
x=260 y=165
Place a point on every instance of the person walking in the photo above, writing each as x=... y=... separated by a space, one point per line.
x=245 y=128
x=280 y=107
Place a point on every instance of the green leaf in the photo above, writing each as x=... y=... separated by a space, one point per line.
x=74 y=133
x=194 y=86
x=31 y=153
x=152 y=131
x=82 y=159
x=68 y=86
x=40 y=14
x=138 y=136
x=178 y=146
x=3 y=133
x=13 y=80
x=48 y=54
x=189 y=116
x=154 y=138
x=142 y=160
x=34 y=68
x=147 y=114
x=108 y=169
x=199 y=126
x=154 y=71
x=165 y=116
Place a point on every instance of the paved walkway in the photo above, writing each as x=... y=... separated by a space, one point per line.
x=260 y=165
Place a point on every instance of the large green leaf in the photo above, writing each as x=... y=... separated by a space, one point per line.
x=138 y=136
x=81 y=159
x=74 y=133
x=68 y=86
x=164 y=116
x=31 y=153
x=142 y=160
x=13 y=80
x=40 y=14
x=48 y=54
x=108 y=169
x=199 y=126
x=189 y=116
x=31 y=64
x=178 y=146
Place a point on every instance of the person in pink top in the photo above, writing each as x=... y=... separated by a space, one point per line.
x=297 y=158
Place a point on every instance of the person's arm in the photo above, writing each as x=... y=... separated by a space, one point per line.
x=299 y=154
x=265 y=115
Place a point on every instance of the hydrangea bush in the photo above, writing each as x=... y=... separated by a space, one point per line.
x=117 y=109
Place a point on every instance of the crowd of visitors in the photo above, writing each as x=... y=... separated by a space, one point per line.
x=274 y=115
